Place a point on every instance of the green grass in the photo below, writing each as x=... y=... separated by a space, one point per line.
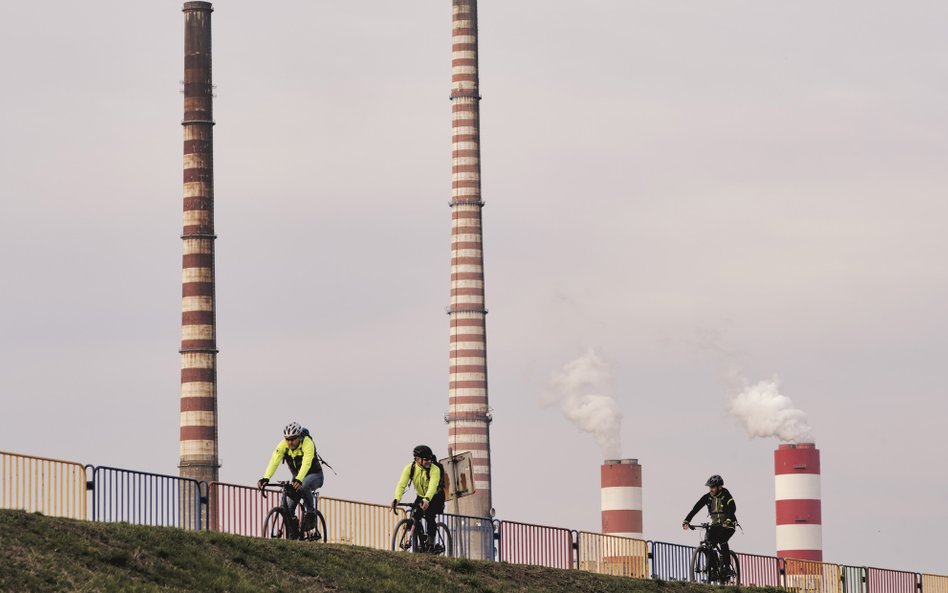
x=39 y=554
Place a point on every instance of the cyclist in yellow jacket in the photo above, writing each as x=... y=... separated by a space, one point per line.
x=425 y=476
x=298 y=450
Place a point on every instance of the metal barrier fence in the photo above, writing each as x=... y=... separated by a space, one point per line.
x=932 y=583
x=37 y=485
x=807 y=576
x=238 y=510
x=759 y=571
x=880 y=580
x=61 y=488
x=359 y=523
x=146 y=499
x=521 y=543
x=854 y=579
x=671 y=562
x=613 y=555
x=473 y=536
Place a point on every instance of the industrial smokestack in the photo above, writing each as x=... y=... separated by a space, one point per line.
x=468 y=416
x=797 y=487
x=198 y=439
x=621 y=481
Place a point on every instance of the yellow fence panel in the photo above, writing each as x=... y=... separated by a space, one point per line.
x=807 y=576
x=49 y=486
x=609 y=554
x=359 y=523
x=933 y=583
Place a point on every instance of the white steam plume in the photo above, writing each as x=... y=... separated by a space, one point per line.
x=585 y=391
x=767 y=413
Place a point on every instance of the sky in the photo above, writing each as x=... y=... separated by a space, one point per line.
x=700 y=197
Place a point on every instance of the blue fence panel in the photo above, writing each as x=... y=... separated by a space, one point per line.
x=147 y=499
x=671 y=562
x=473 y=536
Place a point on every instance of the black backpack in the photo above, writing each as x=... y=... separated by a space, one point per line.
x=316 y=456
x=443 y=484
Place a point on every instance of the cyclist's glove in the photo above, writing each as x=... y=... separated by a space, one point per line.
x=263 y=483
x=296 y=484
x=394 y=504
x=729 y=523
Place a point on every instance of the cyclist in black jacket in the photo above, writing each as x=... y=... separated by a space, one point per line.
x=722 y=509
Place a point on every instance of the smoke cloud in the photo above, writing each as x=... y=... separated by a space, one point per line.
x=765 y=412
x=584 y=389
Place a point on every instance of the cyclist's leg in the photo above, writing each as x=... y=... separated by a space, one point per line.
x=435 y=507
x=719 y=535
x=310 y=483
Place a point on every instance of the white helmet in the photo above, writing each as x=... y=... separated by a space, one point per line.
x=292 y=430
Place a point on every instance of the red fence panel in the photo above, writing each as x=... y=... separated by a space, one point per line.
x=880 y=580
x=759 y=571
x=521 y=543
x=239 y=509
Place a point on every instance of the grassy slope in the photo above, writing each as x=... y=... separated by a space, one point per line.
x=39 y=554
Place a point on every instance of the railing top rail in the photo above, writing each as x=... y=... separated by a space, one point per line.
x=42 y=458
x=505 y=522
x=141 y=473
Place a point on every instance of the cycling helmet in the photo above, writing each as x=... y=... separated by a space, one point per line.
x=292 y=430
x=715 y=480
x=423 y=451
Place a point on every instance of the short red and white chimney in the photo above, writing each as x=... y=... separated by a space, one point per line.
x=622 y=498
x=797 y=488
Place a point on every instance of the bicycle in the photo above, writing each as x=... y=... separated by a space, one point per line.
x=280 y=522
x=407 y=535
x=706 y=562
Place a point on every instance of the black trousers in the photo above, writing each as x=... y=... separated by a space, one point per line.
x=719 y=534
x=435 y=507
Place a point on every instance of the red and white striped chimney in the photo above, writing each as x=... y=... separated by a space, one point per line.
x=797 y=488
x=198 y=437
x=468 y=414
x=621 y=481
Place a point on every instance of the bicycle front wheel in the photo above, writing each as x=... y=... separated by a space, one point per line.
x=701 y=565
x=404 y=538
x=318 y=532
x=274 y=525
x=735 y=577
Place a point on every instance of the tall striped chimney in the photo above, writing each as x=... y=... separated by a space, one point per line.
x=621 y=491
x=797 y=487
x=468 y=414
x=198 y=450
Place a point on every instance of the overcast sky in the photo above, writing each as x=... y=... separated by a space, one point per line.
x=701 y=193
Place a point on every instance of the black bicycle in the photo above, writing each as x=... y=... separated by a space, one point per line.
x=408 y=537
x=281 y=523
x=706 y=565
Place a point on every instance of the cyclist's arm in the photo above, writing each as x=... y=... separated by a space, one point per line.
x=701 y=502
x=403 y=482
x=434 y=478
x=275 y=460
x=309 y=452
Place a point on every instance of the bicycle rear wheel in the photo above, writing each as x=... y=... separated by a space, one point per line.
x=404 y=538
x=701 y=565
x=444 y=545
x=274 y=525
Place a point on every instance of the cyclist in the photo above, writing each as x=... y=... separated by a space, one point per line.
x=299 y=452
x=425 y=475
x=721 y=509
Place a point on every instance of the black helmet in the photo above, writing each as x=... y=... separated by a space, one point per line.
x=715 y=480
x=423 y=451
